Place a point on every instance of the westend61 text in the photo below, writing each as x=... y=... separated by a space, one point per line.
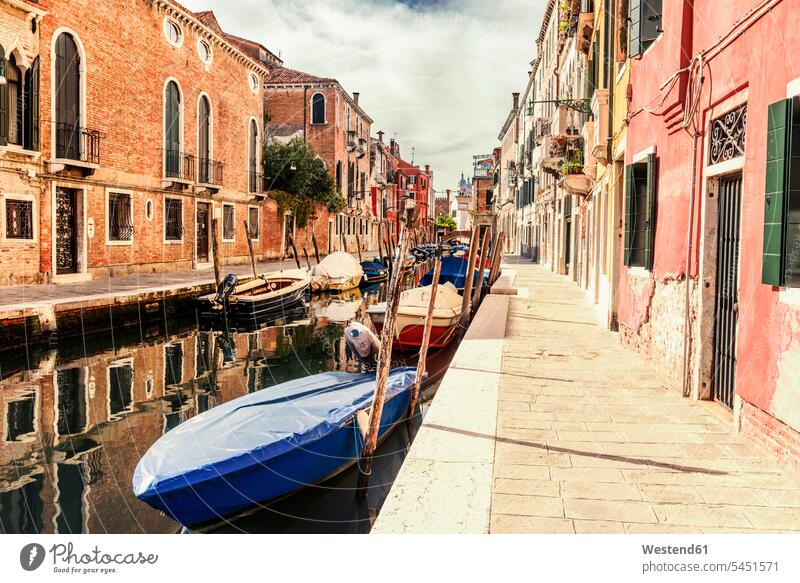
x=670 y=550
x=65 y=554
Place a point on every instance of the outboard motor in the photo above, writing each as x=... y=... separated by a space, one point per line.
x=226 y=287
x=363 y=343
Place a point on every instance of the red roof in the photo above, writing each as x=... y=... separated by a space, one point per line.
x=210 y=21
x=284 y=75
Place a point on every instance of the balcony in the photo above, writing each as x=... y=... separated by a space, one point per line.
x=601 y=129
x=585 y=31
x=76 y=147
x=574 y=179
x=352 y=140
x=565 y=121
x=209 y=173
x=179 y=168
x=257 y=183
x=362 y=147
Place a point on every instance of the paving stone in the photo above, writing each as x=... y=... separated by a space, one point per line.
x=527 y=505
x=600 y=490
x=624 y=511
x=700 y=515
x=732 y=496
x=506 y=524
x=775 y=518
x=526 y=487
x=586 y=474
x=670 y=493
x=598 y=527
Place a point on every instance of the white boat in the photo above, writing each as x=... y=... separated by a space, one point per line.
x=337 y=272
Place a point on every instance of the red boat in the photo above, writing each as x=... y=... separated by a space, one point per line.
x=410 y=321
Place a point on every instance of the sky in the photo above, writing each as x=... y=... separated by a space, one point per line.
x=436 y=74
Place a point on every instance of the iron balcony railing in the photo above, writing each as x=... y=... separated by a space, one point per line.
x=76 y=143
x=257 y=182
x=210 y=171
x=178 y=165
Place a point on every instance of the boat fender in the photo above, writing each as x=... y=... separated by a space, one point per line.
x=226 y=287
x=362 y=420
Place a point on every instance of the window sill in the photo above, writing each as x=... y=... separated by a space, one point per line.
x=19 y=151
x=12 y=241
x=639 y=272
x=224 y=240
x=119 y=243
x=173 y=242
x=166 y=181
x=59 y=164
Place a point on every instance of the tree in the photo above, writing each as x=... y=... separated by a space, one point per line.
x=446 y=221
x=298 y=180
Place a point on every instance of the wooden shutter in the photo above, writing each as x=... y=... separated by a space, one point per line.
x=650 y=225
x=779 y=119
x=650 y=26
x=630 y=193
x=3 y=101
x=791 y=262
x=32 y=107
x=634 y=28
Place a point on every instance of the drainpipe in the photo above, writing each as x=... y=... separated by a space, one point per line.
x=689 y=249
x=305 y=113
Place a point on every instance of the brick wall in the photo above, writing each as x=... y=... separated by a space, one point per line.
x=778 y=439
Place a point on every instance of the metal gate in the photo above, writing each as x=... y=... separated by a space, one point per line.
x=66 y=232
x=203 y=215
x=726 y=312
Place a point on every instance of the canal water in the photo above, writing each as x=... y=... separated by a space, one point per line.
x=76 y=419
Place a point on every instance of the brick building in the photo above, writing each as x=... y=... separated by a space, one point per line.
x=420 y=188
x=142 y=143
x=484 y=184
x=322 y=113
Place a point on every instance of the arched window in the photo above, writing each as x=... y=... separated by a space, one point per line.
x=318 y=108
x=204 y=138
x=68 y=98
x=14 y=101
x=252 y=140
x=339 y=176
x=172 y=130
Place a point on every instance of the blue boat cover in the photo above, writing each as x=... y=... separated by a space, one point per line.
x=258 y=427
x=368 y=266
x=454 y=270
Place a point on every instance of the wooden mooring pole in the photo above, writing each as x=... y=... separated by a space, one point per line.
x=497 y=257
x=476 y=294
x=470 y=277
x=250 y=247
x=373 y=420
x=426 y=339
x=294 y=251
x=380 y=243
x=358 y=248
x=308 y=261
x=215 y=250
x=314 y=241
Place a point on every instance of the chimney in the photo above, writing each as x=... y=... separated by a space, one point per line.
x=391 y=146
x=448 y=197
x=380 y=137
x=355 y=97
x=515 y=97
x=428 y=169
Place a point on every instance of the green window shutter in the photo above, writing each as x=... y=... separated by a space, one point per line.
x=634 y=28
x=32 y=107
x=650 y=225
x=629 y=195
x=778 y=140
x=3 y=100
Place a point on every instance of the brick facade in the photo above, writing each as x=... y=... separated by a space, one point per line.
x=341 y=138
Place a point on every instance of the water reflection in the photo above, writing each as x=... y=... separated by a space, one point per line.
x=75 y=422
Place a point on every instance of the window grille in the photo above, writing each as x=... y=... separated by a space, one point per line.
x=173 y=219
x=120 y=217
x=19 y=219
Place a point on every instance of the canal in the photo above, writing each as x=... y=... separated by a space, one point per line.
x=77 y=417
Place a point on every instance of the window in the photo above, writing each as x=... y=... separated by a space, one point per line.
x=19 y=219
x=120 y=387
x=339 y=176
x=172 y=131
x=252 y=139
x=173 y=364
x=645 y=25
x=253 y=82
x=228 y=222
x=204 y=51
x=640 y=213
x=252 y=222
x=120 y=217
x=21 y=417
x=173 y=32
x=173 y=219
x=68 y=98
x=19 y=103
x=318 y=108
x=781 y=258
x=204 y=139
x=148 y=210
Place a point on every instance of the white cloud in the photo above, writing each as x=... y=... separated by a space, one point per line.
x=440 y=77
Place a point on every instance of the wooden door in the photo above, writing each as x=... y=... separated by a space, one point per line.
x=203 y=230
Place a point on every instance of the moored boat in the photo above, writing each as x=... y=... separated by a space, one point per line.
x=413 y=311
x=454 y=270
x=264 y=445
x=374 y=272
x=337 y=272
x=267 y=295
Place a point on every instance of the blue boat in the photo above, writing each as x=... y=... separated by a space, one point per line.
x=454 y=270
x=374 y=271
x=265 y=445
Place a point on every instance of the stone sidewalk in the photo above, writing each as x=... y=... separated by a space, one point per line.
x=589 y=440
